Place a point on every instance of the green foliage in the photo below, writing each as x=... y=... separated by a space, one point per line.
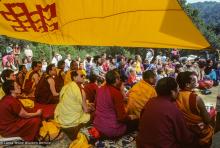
x=209 y=12
x=206 y=29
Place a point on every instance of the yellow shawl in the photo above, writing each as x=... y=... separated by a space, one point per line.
x=68 y=77
x=2 y=93
x=138 y=96
x=69 y=111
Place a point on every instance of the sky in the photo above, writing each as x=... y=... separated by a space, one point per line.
x=194 y=1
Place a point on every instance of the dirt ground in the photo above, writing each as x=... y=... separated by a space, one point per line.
x=211 y=99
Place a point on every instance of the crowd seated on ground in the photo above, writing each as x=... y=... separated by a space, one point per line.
x=113 y=95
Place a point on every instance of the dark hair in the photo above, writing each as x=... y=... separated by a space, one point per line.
x=72 y=64
x=160 y=71
x=73 y=74
x=177 y=67
x=133 y=62
x=209 y=61
x=23 y=60
x=129 y=60
x=6 y=73
x=148 y=74
x=92 y=78
x=88 y=59
x=183 y=78
x=21 y=67
x=60 y=63
x=202 y=64
x=34 y=64
x=96 y=58
x=7 y=86
x=49 y=68
x=165 y=85
x=111 y=76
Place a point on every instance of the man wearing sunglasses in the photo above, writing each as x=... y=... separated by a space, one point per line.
x=72 y=111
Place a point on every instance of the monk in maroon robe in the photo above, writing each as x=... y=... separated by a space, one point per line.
x=162 y=124
x=15 y=121
x=91 y=88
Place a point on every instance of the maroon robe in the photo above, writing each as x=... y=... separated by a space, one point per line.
x=90 y=90
x=43 y=93
x=12 y=125
x=163 y=125
x=59 y=81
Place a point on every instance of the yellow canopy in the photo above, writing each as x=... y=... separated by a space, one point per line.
x=130 y=23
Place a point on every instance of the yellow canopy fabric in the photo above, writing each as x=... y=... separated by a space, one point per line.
x=130 y=23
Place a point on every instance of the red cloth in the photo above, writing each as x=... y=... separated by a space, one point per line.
x=132 y=79
x=43 y=93
x=119 y=105
x=90 y=90
x=163 y=125
x=105 y=67
x=205 y=84
x=48 y=110
x=109 y=112
x=11 y=125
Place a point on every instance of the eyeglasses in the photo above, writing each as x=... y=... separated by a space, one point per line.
x=82 y=76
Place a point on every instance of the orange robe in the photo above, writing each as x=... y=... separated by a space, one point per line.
x=29 y=85
x=186 y=103
x=68 y=77
x=138 y=96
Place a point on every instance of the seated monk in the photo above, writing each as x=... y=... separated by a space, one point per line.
x=21 y=75
x=73 y=66
x=193 y=107
x=45 y=92
x=72 y=110
x=15 y=121
x=111 y=118
x=31 y=79
x=48 y=110
x=141 y=92
x=91 y=88
x=162 y=125
x=7 y=74
x=59 y=79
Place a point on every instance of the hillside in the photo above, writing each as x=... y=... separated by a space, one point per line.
x=210 y=13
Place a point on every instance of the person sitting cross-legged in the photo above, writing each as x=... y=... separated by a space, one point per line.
x=45 y=92
x=141 y=92
x=111 y=118
x=161 y=123
x=193 y=107
x=72 y=111
x=15 y=121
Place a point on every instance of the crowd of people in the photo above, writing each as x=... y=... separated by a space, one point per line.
x=115 y=95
